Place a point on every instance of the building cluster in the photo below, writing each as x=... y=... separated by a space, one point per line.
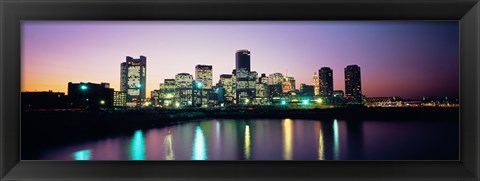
x=242 y=87
x=246 y=87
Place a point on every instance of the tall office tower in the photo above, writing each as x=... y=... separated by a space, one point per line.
x=133 y=79
x=275 y=79
x=353 y=84
x=183 y=89
x=326 y=82
x=242 y=60
x=245 y=80
x=204 y=74
x=316 y=84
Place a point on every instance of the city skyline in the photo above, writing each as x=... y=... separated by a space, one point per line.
x=429 y=67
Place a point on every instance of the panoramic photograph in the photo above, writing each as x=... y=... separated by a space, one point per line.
x=240 y=90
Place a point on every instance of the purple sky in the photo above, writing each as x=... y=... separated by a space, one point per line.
x=410 y=59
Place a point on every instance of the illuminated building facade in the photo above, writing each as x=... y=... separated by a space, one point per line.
x=353 y=84
x=133 y=79
x=275 y=79
x=203 y=74
x=287 y=85
x=325 y=75
x=119 y=99
x=316 y=84
x=263 y=79
x=166 y=93
x=183 y=89
x=226 y=80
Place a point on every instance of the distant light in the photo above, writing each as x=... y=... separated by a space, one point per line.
x=82 y=155
x=284 y=102
x=305 y=102
x=319 y=100
x=199 y=84
x=83 y=87
x=177 y=104
x=102 y=102
x=247 y=100
x=169 y=95
x=138 y=85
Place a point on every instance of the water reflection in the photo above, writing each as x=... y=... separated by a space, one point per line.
x=82 y=155
x=336 y=140
x=199 y=149
x=284 y=139
x=168 y=142
x=321 y=151
x=247 y=142
x=287 y=138
x=137 y=147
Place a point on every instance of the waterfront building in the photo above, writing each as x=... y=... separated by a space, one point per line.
x=316 y=84
x=226 y=80
x=90 y=95
x=338 y=97
x=325 y=75
x=261 y=92
x=353 y=85
x=119 y=99
x=245 y=78
x=203 y=74
x=183 y=89
x=166 y=94
x=43 y=100
x=133 y=79
x=307 y=90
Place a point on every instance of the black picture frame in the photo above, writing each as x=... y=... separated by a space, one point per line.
x=12 y=12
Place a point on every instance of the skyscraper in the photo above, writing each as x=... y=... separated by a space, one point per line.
x=133 y=79
x=326 y=82
x=245 y=79
x=353 y=84
x=242 y=60
x=316 y=84
x=204 y=73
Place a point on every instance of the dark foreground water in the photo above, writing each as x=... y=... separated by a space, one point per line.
x=275 y=139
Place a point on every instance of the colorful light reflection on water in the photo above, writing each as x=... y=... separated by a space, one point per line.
x=286 y=139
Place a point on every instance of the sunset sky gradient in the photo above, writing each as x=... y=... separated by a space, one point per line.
x=410 y=59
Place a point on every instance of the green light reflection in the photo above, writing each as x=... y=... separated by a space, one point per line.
x=82 y=155
x=199 y=148
x=137 y=147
